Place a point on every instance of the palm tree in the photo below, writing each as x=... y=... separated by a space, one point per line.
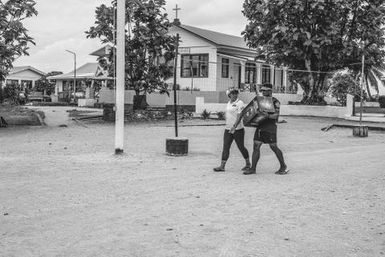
x=373 y=75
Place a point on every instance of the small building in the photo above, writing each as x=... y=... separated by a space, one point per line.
x=25 y=76
x=85 y=77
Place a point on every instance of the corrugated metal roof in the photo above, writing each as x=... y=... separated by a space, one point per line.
x=87 y=70
x=23 y=68
x=217 y=38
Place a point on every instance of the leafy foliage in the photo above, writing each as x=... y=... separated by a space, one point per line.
x=45 y=85
x=317 y=36
x=14 y=38
x=205 y=114
x=149 y=48
x=13 y=95
x=343 y=84
x=381 y=101
x=221 y=115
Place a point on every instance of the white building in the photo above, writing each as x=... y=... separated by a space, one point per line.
x=213 y=61
x=25 y=76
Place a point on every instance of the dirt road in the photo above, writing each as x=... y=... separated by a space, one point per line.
x=64 y=193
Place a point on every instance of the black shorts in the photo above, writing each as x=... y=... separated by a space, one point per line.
x=265 y=136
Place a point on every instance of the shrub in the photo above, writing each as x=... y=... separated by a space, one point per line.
x=343 y=84
x=221 y=115
x=381 y=101
x=205 y=114
x=11 y=94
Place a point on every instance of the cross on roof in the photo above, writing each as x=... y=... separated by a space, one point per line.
x=176 y=9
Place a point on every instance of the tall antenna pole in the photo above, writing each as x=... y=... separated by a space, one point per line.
x=120 y=75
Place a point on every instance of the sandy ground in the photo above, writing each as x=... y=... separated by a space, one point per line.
x=64 y=193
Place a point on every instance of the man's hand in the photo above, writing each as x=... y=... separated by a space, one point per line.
x=232 y=130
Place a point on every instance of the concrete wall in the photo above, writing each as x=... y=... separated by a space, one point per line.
x=282 y=98
x=289 y=110
x=108 y=96
x=216 y=101
x=155 y=99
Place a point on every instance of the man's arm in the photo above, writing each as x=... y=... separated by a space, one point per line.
x=275 y=115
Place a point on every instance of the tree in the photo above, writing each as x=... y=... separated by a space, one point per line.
x=317 y=36
x=14 y=38
x=149 y=48
x=45 y=85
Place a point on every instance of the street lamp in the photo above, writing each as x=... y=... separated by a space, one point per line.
x=74 y=54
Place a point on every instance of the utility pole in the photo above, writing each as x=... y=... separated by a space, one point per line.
x=120 y=75
x=175 y=70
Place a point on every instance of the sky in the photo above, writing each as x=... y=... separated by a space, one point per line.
x=60 y=26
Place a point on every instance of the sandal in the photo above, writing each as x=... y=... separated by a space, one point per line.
x=282 y=171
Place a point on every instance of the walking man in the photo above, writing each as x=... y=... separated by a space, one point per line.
x=266 y=133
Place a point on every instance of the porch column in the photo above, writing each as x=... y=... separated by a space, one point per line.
x=259 y=73
x=272 y=75
x=243 y=72
x=284 y=78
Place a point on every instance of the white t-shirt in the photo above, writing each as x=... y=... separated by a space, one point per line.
x=232 y=111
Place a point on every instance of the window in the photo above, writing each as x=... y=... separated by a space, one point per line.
x=225 y=67
x=250 y=70
x=26 y=84
x=195 y=65
x=266 y=74
x=12 y=82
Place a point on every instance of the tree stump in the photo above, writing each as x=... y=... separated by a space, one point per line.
x=360 y=131
x=177 y=146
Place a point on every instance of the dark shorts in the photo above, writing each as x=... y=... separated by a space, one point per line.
x=265 y=136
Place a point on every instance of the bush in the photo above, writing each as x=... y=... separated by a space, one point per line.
x=221 y=115
x=381 y=101
x=205 y=114
x=12 y=94
x=343 y=84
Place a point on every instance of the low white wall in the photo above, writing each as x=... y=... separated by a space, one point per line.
x=86 y=102
x=317 y=111
x=108 y=96
x=282 y=98
x=288 y=110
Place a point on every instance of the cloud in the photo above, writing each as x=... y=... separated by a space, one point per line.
x=53 y=57
x=61 y=25
x=218 y=15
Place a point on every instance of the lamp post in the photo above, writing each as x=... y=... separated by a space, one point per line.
x=74 y=54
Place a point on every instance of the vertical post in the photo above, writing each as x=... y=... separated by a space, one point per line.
x=175 y=70
x=120 y=63
x=69 y=90
x=74 y=77
x=362 y=84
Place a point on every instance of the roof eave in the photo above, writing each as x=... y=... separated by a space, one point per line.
x=195 y=34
